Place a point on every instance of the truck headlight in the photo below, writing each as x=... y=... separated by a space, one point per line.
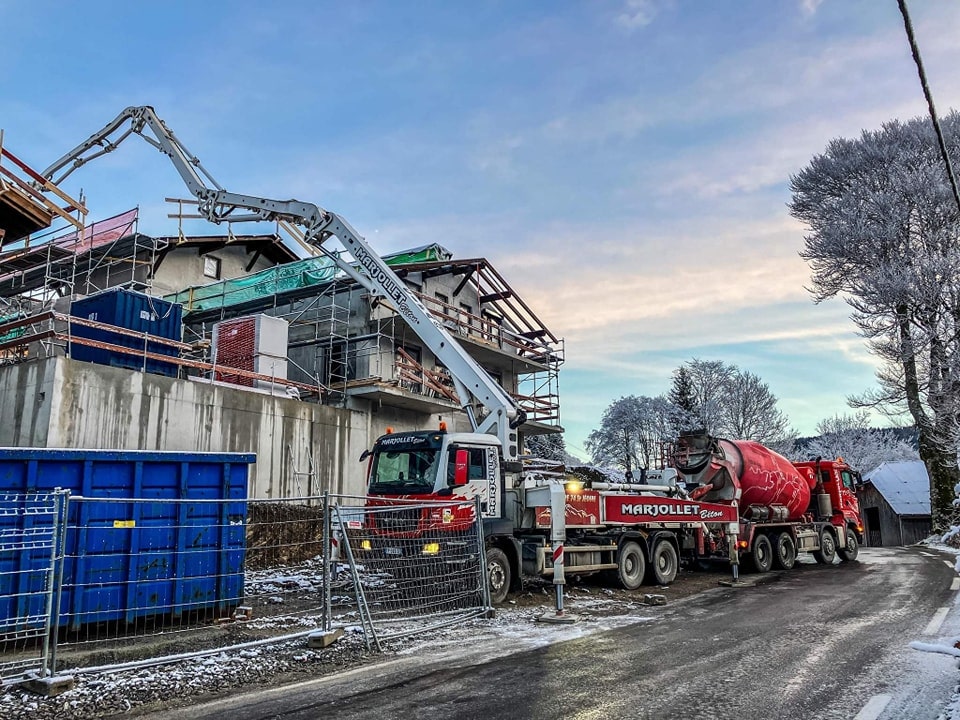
x=431 y=548
x=366 y=545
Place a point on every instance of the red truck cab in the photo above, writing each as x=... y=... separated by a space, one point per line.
x=837 y=481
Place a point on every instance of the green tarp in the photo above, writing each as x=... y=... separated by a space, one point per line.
x=284 y=278
x=16 y=332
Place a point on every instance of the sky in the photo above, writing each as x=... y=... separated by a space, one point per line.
x=625 y=164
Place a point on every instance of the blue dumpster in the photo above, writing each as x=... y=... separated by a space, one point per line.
x=132 y=311
x=123 y=561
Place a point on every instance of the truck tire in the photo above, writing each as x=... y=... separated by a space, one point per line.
x=664 y=564
x=828 y=547
x=784 y=551
x=850 y=551
x=631 y=565
x=761 y=555
x=498 y=575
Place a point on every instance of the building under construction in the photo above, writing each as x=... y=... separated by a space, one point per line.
x=114 y=338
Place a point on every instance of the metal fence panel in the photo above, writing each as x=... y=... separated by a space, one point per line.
x=155 y=580
x=414 y=566
x=204 y=574
x=31 y=526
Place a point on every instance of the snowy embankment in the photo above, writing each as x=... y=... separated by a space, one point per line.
x=947 y=543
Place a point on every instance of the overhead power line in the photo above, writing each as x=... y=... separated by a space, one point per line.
x=926 y=91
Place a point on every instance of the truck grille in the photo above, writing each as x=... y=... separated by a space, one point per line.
x=403 y=520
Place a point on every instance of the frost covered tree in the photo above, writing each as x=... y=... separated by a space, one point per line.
x=852 y=438
x=632 y=431
x=615 y=441
x=731 y=402
x=883 y=234
x=749 y=410
x=708 y=380
x=548 y=447
x=656 y=426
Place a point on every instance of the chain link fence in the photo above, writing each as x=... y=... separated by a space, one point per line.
x=141 y=582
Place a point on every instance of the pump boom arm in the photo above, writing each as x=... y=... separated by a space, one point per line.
x=319 y=225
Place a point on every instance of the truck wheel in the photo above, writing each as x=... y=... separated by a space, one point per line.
x=498 y=575
x=852 y=548
x=664 y=564
x=828 y=547
x=762 y=554
x=784 y=551
x=631 y=565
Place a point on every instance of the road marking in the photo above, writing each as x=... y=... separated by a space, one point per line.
x=926 y=554
x=933 y=627
x=955 y=585
x=872 y=710
x=948 y=563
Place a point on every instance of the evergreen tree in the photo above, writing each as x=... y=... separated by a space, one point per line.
x=682 y=393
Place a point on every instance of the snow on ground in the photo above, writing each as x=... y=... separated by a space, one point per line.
x=102 y=694
x=950 y=646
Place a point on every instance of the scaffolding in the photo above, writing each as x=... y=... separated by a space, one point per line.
x=351 y=343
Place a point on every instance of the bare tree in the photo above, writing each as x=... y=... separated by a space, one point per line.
x=732 y=402
x=549 y=447
x=632 y=432
x=883 y=235
x=708 y=380
x=615 y=441
x=852 y=438
x=655 y=427
x=749 y=410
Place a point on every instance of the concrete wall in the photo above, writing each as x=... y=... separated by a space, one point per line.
x=26 y=395
x=58 y=402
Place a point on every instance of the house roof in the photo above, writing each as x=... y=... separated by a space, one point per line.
x=272 y=247
x=905 y=485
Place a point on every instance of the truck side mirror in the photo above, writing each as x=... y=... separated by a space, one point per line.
x=460 y=467
x=364 y=455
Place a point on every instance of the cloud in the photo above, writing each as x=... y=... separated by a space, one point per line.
x=809 y=7
x=636 y=14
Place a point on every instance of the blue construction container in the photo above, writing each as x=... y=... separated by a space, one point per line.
x=132 y=311
x=128 y=560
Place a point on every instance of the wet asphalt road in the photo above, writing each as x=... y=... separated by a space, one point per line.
x=819 y=642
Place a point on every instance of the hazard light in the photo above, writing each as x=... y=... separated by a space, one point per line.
x=431 y=549
x=573 y=486
x=743 y=544
x=859 y=528
x=366 y=545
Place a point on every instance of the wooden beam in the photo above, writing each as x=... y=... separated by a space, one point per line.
x=503 y=295
x=466 y=278
x=253 y=261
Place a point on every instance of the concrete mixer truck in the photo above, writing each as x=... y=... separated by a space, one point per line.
x=784 y=508
x=727 y=500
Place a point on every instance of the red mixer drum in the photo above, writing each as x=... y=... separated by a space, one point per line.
x=767 y=479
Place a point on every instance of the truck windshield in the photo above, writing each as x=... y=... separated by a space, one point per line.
x=404 y=471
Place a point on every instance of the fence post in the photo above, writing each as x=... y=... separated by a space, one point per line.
x=484 y=585
x=327 y=551
x=48 y=683
x=366 y=621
